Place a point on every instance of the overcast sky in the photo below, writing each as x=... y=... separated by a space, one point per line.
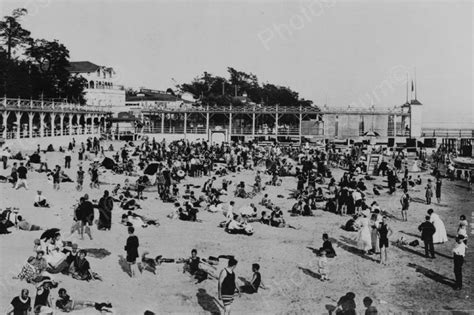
x=350 y=52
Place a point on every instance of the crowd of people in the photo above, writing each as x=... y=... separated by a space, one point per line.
x=163 y=169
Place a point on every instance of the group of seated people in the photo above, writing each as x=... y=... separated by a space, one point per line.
x=53 y=256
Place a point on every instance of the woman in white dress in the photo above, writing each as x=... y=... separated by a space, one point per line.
x=440 y=235
x=364 y=240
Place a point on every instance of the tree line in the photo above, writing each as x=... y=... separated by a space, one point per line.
x=220 y=91
x=35 y=68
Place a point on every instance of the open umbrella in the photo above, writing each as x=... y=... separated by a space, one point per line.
x=108 y=163
x=49 y=233
x=151 y=169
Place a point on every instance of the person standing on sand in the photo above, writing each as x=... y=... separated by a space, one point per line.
x=226 y=286
x=131 y=247
x=428 y=192
x=405 y=202
x=427 y=230
x=459 y=251
x=106 y=204
x=22 y=171
x=438 y=189
x=384 y=231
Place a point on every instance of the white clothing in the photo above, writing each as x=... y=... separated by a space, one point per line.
x=364 y=240
x=440 y=235
x=460 y=249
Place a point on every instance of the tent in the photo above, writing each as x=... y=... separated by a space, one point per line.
x=108 y=163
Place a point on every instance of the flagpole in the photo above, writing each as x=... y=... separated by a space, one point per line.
x=415 y=83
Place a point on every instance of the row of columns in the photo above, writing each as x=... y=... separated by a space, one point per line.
x=42 y=116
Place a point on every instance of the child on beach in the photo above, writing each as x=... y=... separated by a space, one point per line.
x=371 y=310
x=323 y=266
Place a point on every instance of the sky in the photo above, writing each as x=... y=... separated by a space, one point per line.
x=332 y=52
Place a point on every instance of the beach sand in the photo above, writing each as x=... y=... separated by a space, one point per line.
x=288 y=263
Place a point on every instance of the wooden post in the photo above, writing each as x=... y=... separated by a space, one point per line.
x=162 y=123
x=300 y=126
x=30 y=124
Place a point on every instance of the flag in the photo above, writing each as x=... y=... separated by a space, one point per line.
x=412 y=86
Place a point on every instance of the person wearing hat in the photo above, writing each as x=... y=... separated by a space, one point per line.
x=20 y=304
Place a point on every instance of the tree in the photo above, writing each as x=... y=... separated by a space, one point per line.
x=215 y=90
x=12 y=33
x=50 y=62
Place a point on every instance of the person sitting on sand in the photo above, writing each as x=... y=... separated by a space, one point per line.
x=238 y=226
x=265 y=219
x=266 y=202
x=256 y=282
x=66 y=304
x=327 y=246
x=346 y=305
x=80 y=268
x=297 y=208
x=22 y=224
x=40 y=200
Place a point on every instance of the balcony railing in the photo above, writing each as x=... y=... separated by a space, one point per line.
x=447 y=133
x=22 y=104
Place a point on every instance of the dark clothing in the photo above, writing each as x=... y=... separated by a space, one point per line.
x=371 y=310
x=20 y=307
x=429 y=248
x=85 y=212
x=427 y=230
x=257 y=281
x=22 y=171
x=458 y=262
x=194 y=265
x=81 y=269
x=383 y=235
x=327 y=246
x=228 y=285
x=348 y=306
x=42 y=299
x=106 y=205
x=132 y=248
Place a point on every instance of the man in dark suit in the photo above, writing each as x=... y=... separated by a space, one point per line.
x=427 y=230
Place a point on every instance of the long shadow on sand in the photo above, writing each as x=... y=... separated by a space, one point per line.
x=310 y=273
x=352 y=249
x=417 y=236
x=124 y=265
x=207 y=302
x=432 y=275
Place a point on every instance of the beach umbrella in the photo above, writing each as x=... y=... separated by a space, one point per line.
x=151 y=169
x=108 y=163
x=49 y=233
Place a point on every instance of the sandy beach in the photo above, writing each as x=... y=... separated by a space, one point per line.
x=409 y=284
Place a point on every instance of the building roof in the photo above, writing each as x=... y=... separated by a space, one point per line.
x=82 y=67
x=415 y=102
x=152 y=97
